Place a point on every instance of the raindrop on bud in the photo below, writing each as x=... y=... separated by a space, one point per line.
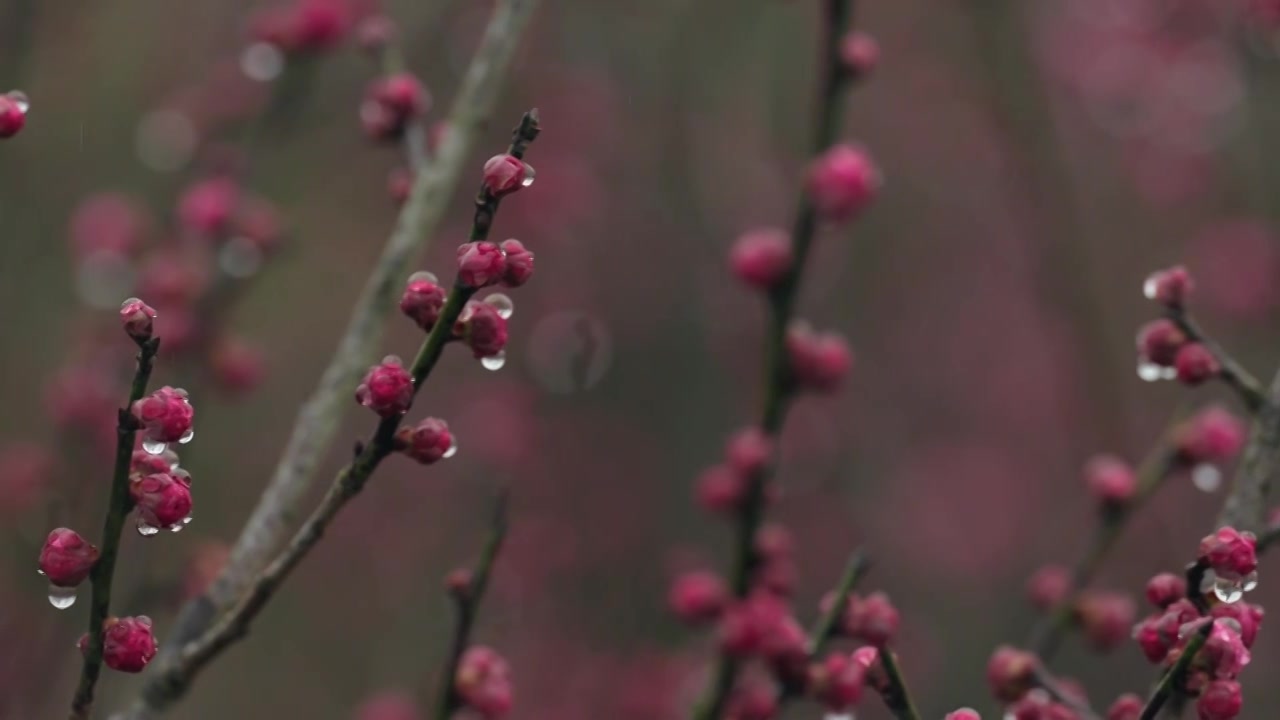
x=494 y=362
x=62 y=597
x=503 y=304
x=153 y=447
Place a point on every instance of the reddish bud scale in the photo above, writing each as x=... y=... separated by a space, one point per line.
x=12 y=116
x=698 y=597
x=720 y=489
x=1220 y=700
x=748 y=451
x=482 y=328
x=505 y=174
x=1246 y=615
x=67 y=558
x=754 y=701
x=163 y=499
x=1159 y=340
x=481 y=264
x=127 y=643
x=836 y=682
x=422 y=301
x=519 y=264
x=842 y=182
x=761 y=258
x=818 y=362
x=860 y=53
x=166 y=414
x=138 y=319
x=1195 y=364
x=1110 y=480
x=1224 y=653
x=873 y=619
x=426 y=442
x=387 y=389
x=144 y=463
x=483 y=682
x=207 y=207
x=1230 y=553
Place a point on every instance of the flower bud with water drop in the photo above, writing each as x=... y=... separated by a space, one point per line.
x=1105 y=618
x=1011 y=673
x=67 y=558
x=873 y=619
x=127 y=643
x=145 y=463
x=387 y=389
x=163 y=500
x=1169 y=287
x=819 y=362
x=505 y=174
x=963 y=714
x=1211 y=435
x=1220 y=700
x=698 y=597
x=1165 y=589
x=836 y=682
x=1224 y=654
x=1110 y=481
x=481 y=264
x=1247 y=616
x=138 y=319
x=483 y=682
x=207 y=207
x=842 y=182
x=13 y=115
x=1126 y=707
x=519 y=264
x=483 y=329
x=165 y=415
x=1195 y=364
x=422 y=300
x=868 y=656
x=761 y=258
x=1048 y=586
x=426 y=442
x=1229 y=553
x=1158 y=342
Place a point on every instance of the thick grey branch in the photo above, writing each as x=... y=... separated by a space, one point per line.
x=1246 y=506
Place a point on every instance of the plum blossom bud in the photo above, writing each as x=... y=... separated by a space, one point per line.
x=483 y=329
x=859 y=53
x=1159 y=340
x=422 y=300
x=1105 y=618
x=375 y=33
x=818 y=361
x=1010 y=673
x=697 y=597
x=1195 y=363
x=873 y=619
x=390 y=104
x=163 y=499
x=387 y=388
x=1246 y=615
x=761 y=258
x=752 y=701
x=426 y=442
x=138 y=319
x=483 y=682
x=1224 y=653
x=67 y=558
x=720 y=489
x=1169 y=287
x=836 y=682
x=459 y=583
x=1165 y=589
x=13 y=116
x=1220 y=700
x=963 y=714
x=1211 y=435
x=165 y=415
x=144 y=463
x=480 y=264
x=505 y=174
x=1110 y=480
x=519 y=264
x=207 y=207
x=747 y=627
x=1048 y=586
x=127 y=643
x=842 y=182
x=1126 y=707
x=1230 y=553
x=748 y=451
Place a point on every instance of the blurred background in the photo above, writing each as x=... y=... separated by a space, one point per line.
x=1040 y=157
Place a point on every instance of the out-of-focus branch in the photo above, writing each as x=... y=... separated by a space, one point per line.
x=1246 y=503
x=824 y=629
x=317 y=421
x=1169 y=683
x=467 y=601
x=1232 y=373
x=118 y=507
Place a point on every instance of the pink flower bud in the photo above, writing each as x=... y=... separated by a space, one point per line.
x=399 y=185
x=761 y=258
x=860 y=53
x=748 y=451
x=720 y=489
x=1224 y=654
x=483 y=682
x=127 y=643
x=1105 y=618
x=480 y=264
x=1169 y=287
x=774 y=542
x=387 y=388
x=836 y=682
x=426 y=442
x=1195 y=363
x=1049 y=586
x=519 y=264
x=1220 y=700
x=144 y=463
x=1151 y=640
x=1246 y=615
x=752 y=701
x=1010 y=673
x=698 y=597
x=1126 y=707
x=505 y=174
x=963 y=714
x=818 y=361
x=873 y=619
x=1165 y=589
x=458 y=582
x=784 y=648
x=482 y=328
x=1211 y=435
x=163 y=499
x=1110 y=480
x=1159 y=341
x=207 y=207
x=375 y=33
x=746 y=626
x=138 y=319
x=422 y=300
x=165 y=415
x=1230 y=553
x=237 y=366
x=67 y=558
x=12 y=116
x=391 y=103
x=842 y=182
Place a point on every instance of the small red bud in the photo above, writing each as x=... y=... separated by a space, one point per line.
x=387 y=389
x=423 y=299
x=1126 y=707
x=1220 y=700
x=519 y=264
x=1110 y=480
x=13 y=113
x=67 y=558
x=426 y=442
x=1169 y=287
x=138 y=319
x=1195 y=363
x=1049 y=586
x=698 y=597
x=505 y=174
x=1010 y=673
x=1165 y=589
x=127 y=643
x=860 y=53
x=481 y=264
x=842 y=182
x=761 y=258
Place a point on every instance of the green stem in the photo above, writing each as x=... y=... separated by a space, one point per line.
x=1173 y=678
x=896 y=696
x=825 y=628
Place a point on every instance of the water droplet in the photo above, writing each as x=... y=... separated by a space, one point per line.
x=62 y=597
x=1251 y=581
x=240 y=257
x=146 y=530
x=39 y=571
x=187 y=436
x=529 y=175
x=176 y=528
x=1228 y=590
x=1150 y=286
x=1148 y=371
x=154 y=447
x=424 y=275
x=1206 y=477
x=453 y=448
x=262 y=62
x=20 y=99
x=503 y=304
x=186 y=520
x=494 y=362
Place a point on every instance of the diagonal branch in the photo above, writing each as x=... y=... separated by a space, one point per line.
x=1173 y=678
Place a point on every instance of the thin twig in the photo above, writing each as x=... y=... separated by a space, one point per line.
x=176 y=675
x=778 y=382
x=1246 y=505
x=896 y=696
x=318 y=419
x=1173 y=678
x=825 y=628
x=1233 y=373
x=118 y=507
x=467 y=604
